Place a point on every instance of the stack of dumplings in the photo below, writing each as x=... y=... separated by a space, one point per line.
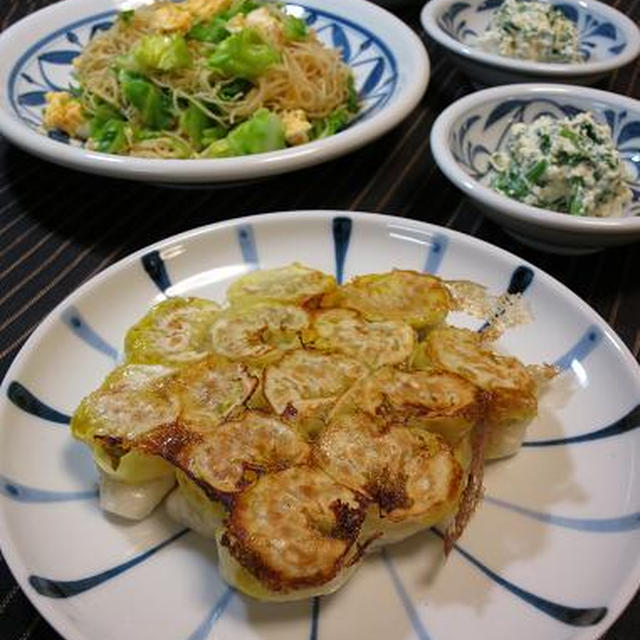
x=305 y=424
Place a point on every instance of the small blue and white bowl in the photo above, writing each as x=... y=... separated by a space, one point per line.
x=608 y=40
x=389 y=61
x=468 y=132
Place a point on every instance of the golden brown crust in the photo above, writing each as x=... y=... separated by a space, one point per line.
x=292 y=284
x=416 y=298
x=440 y=402
x=324 y=421
x=409 y=473
x=512 y=391
x=346 y=331
x=295 y=528
x=303 y=386
x=230 y=457
x=212 y=390
x=259 y=333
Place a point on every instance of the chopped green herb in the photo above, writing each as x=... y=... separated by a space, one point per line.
x=353 y=103
x=213 y=32
x=108 y=135
x=126 y=16
x=330 y=125
x=295 y=28
x=537 y=171
x=234 y=90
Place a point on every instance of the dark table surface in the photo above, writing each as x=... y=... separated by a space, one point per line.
x=58 y=228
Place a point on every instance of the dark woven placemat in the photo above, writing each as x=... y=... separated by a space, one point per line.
x=58 y=228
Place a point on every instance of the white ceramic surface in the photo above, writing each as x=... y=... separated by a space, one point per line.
x=552 y=552
x=468 y=131
x=607 y=37
x=389 y=61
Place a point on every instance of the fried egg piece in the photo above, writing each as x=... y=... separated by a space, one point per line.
x=292 y=284
x=170 y=18
x=374 y=343
x=296 y=126
x=303 y=386
x=266 y=24
x=418 y=299
x=439 y=402
x=261 y=20
x=175 y=332
x=66 y=113
x=206 y=9
x=511 y=391
x=291 y=535
x=412 y=476
x=259 y=333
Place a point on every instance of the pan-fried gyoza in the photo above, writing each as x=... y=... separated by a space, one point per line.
x=303 y=423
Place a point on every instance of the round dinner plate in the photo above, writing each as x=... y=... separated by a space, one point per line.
x=389 y=63
x=552 y=551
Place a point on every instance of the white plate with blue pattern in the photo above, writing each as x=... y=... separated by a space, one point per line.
x=607 y=39
x=389 y=61
x=467 y=132
x=551 y=553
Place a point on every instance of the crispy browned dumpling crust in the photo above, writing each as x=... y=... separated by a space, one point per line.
x=512 y=393
x=140 y=401
x=295 y=528
x=133 y=399
x=419 y=299
x=308 y=423
x=303 y=386
x=410 y=474
x=512 y=390
x=212 y=390
x=175 y=332
x=440 y=402
x=293 y=284
x=232 y=455
x=345 y=331
x=259 y=333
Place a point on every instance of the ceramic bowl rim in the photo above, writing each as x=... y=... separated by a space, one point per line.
x=432 y=10
x=512 y=208
x=220 y=169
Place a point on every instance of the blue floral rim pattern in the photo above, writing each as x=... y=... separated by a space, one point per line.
x=47 y=65
x=599 y=37
x=473 y=154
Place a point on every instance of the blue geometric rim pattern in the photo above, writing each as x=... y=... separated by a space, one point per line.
x=599 y=38
x=41 y=69
x=341 y=230
x=472 y=152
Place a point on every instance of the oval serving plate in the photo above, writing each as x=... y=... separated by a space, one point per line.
x=552 y=552
x=390 y=65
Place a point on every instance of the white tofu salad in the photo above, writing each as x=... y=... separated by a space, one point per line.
x=532 y=31
x=569 y=165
